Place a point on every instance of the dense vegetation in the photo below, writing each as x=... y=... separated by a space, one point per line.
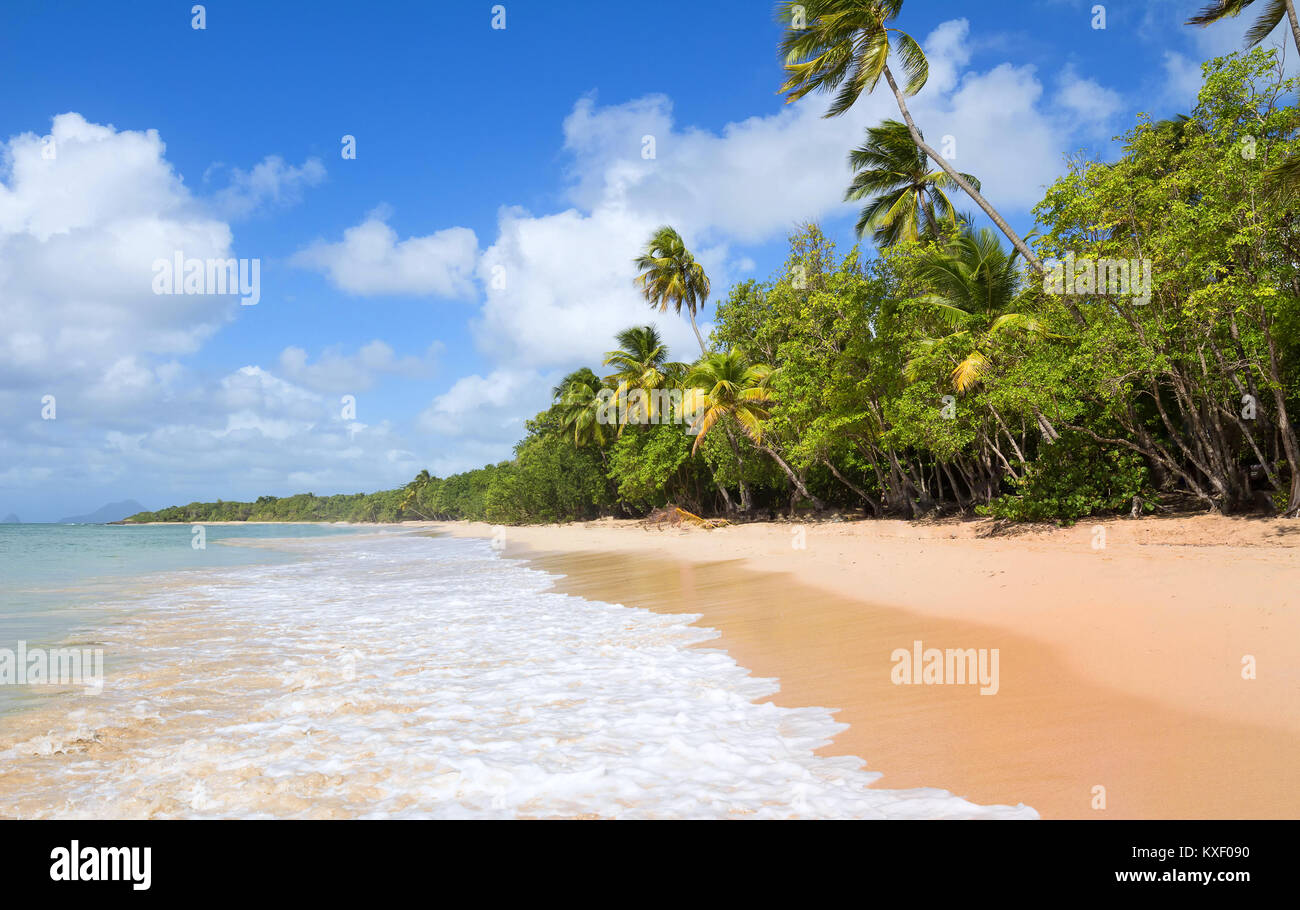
x=947 y=373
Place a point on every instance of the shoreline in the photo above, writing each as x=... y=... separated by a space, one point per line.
x=1121 y=667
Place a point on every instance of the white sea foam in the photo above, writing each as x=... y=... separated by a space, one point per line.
x=409 y=676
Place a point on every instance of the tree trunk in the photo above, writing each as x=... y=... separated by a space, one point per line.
x=794 y=478
x=698 y=337
x=863 y=494
x=974 y=194
x=1295 y=23
x=961 y=181
x=746 y=499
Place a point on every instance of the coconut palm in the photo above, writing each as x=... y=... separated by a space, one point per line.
x=972 y=284
x=1282 y=181
x=1272 y=13
x=582 y=407
x=843 y=46
x=908 y=201
x=670 y=276
x=642 y=364
x=413 y=491
x=726 y=386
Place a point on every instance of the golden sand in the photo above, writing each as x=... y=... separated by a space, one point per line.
x=1120 y=668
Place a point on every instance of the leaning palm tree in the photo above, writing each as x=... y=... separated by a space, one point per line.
x=582 y=407
x=843 y=46
x=1273 y=13
x=908 y=201
x=972 y=284
x=641 y=365
x=726 y=386
x=670 y=276
x=413 y=491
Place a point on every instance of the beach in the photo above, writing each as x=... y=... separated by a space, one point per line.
x=1124 y=667
x=394 y=672
x=620 y=669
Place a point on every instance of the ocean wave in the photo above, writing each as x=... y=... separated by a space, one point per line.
x=411 y=676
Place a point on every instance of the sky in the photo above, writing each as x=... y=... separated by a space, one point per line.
x=417 y=300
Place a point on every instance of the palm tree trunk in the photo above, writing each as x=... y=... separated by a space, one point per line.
x=698 y=337
x=961 y=181
x=1016 y=241
x=1295 y=23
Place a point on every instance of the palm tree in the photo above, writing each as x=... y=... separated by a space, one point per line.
x=582 y=407
x=727 y=386
x=908 y=201
x=641 y=363
x=1282 y=181
x=844 y=45
x=972 y=285
x=413 y=490
x=1274 y=11
x=670 y=276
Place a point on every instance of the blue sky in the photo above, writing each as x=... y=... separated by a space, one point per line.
x=482 y=153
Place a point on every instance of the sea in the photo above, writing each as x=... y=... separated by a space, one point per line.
x=312 y=671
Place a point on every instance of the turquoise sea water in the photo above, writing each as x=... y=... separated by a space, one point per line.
x=54 y=577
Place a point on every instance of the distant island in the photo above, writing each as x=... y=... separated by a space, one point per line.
x=114 y=511
x=11 y=519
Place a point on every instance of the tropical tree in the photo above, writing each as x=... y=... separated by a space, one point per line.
x=642 y=366
x=1272 y=14
x=582 y=407
x=844 y=46
x=670 y=276
x=907 y=199
x=726 y=386
x=972 y=283
x=413 y=491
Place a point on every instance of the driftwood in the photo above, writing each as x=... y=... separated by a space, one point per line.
x=672 y=516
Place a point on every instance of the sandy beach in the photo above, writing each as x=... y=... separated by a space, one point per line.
x=1126 y=686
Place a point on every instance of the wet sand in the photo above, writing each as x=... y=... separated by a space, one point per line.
x=1160 y=716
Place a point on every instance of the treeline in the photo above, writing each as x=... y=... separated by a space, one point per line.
x=943 y=376
x=359 y=507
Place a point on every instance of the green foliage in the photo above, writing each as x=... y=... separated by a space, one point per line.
x=1074 y=478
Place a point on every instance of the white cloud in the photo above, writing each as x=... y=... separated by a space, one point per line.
x=492 y=408
x=1093 y=105
x=271 y=181
x=79 y=233
x=336 y=372
x=370 y=260
x=1182 y=81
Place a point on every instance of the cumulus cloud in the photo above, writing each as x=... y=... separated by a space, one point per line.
x=1092 y=104
x=84 y=213
x=270 y=182
x=236 y=436
x=370 y=260
x=335 y=371
x=490 y=408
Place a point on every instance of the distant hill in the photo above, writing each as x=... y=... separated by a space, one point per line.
x=114 y=511
x=11 y=519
